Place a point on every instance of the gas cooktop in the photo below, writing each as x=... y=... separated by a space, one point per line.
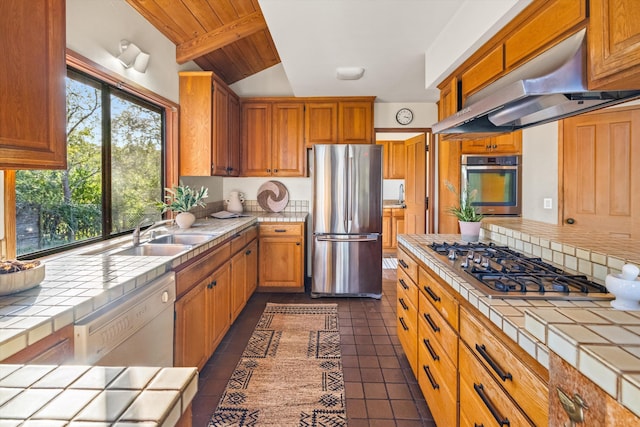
x=500 y=272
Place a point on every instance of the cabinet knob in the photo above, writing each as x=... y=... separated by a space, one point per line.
x=571 y=221
x=297 y=243
x=275 y=171
x=269 y=170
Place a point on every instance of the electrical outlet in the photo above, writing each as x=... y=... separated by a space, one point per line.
x=547 y=203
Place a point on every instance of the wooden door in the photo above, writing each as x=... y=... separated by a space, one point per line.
x=448 y=170
x=251 y=275
x=234 y=136
x=601 y=152
x=218 y=306
x=416 y=185
x=32 y=71
x=238 y=283
x=190 y=345
x=281 y=262
x=287 y=147
x=255 y=137
x=321 y=123
x=220 y=143
x=355 y=122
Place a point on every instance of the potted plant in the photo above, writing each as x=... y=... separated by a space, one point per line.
x=181 y=200
x=468 y=217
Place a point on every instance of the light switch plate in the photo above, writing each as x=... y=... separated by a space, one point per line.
x=547 y=203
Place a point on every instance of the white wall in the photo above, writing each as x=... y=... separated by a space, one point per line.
x=95 y=28
x=424 y=114
x=540 y=172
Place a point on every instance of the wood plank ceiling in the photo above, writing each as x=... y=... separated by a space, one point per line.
x=228 y=37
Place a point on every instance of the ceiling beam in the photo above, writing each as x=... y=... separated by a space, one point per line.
x=220 y=37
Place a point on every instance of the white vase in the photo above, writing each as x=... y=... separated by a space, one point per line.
x=234 y=202
x=185 y=219
x=470 y=231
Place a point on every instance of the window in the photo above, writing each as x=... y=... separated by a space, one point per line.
x=114 y=177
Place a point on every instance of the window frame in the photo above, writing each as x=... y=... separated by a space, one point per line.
x=170 y=158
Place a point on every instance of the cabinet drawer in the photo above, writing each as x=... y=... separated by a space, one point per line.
x=431 y=326
x=202 y=267
x=527 y=389
x=281 y=229
x=408 y=265
x=441 y=299
x=408 y=332
x=438 y=382
x=482 y=401
x=407 y=288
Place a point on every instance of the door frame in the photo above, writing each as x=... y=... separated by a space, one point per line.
x=430 y=177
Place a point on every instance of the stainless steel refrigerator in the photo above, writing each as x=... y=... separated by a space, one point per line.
x=347 y=220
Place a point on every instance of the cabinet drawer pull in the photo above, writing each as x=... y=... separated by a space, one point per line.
x=433 y=382
x=404 y=325
x=403 y=264
x=478 y=425
x=431 y=323
x=432 y=294
x=480 y=390
x=404 y=285
x=497 y=369
x=430 y=349
x=280 y=230
x=403 y=304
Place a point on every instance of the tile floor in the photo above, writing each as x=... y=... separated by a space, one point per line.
x=381 y=390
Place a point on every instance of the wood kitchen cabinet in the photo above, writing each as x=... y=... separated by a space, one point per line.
x=355 y=122
x=394 y=159
x=392 y=225
x=509 y=143
x=449 y=171
x=209 y=126
x=272 y=139
x=614 y=44
x=281 y=257
x=244 y=271
x=320 y=122
x=407 y=308
x=190 y=347
x=55 y=349
x=32 y=84
x=343 y=120
x=218 y=306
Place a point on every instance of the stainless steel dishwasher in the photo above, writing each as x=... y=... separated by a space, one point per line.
x=134 y=330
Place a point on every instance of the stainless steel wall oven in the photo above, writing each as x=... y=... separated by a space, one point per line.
x=498 y=181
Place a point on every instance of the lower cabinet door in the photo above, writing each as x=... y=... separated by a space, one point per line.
x=238 y=284
x=482 y=400
x=407 y=329
x=251 y=253
x=281 y=262
x=219 y=306
x=190 y=346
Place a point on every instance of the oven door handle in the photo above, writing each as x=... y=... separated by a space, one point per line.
x=488 y=167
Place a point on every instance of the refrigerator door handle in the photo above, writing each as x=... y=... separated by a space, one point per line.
x=348 y=239
x=350 y=192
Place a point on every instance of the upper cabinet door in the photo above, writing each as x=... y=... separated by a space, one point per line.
x=255 y=139
x=287 y=146
x=220 y=148
x=614 y=44
x=32 y=84
x=321 y=123
x=234 y=136
x=356 y=122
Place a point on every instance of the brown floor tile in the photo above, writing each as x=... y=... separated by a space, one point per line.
x=378 y=408
x=375 y=391
x=356 y=408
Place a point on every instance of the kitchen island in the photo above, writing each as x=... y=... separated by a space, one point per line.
x=595 y=340
x=76 y=285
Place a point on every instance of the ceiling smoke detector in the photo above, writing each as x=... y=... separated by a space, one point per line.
x=349 y=73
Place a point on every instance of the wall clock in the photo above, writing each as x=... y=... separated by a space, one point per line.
x=404 y=116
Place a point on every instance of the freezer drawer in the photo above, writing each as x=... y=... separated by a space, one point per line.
x=347 y=265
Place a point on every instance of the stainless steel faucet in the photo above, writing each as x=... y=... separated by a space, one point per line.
x=137 y=234
x=401 y=194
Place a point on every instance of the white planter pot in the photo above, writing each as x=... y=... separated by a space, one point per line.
x=185 y=219
x=470 y=231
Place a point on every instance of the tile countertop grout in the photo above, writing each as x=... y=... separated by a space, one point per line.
x=600 y=342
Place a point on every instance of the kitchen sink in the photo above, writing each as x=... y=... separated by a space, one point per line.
x=182 y=239
x=153 y=250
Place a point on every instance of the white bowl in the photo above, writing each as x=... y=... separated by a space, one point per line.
x=19 y=281
x=627 y=292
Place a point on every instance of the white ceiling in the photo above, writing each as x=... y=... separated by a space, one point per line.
x=405 y=46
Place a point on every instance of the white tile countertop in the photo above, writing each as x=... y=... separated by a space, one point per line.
x=75 y=285
x=76 y=395
x=600 y=342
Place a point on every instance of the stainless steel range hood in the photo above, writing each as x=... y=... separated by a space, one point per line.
x=550 y=87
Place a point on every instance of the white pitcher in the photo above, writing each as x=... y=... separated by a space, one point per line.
x=235 y=201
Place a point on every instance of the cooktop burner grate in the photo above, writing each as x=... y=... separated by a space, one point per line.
x=505 y=273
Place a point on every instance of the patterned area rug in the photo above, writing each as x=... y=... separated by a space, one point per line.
x=290 y=373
